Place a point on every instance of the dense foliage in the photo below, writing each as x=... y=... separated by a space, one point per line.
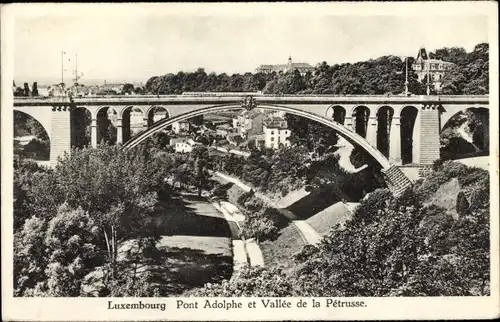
x=288 y=169
x=39 y=147
x=261 y=221
x=376 y=76
x=72 y=219
x=470 y=75
x=403 y=246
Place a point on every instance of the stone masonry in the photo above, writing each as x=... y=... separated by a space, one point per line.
x=396 y=180
x=429 y=135
x=60 y=138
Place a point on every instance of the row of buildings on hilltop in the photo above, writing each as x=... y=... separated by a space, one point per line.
x=290 y=66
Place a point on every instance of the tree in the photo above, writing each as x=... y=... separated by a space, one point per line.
x=34 y=89
x=117 y=189
x=36 y=129
x=26 y=90
x=252 y=281
x=19 y=92
x=128 y=88
x=201 y=165
x=71 y=246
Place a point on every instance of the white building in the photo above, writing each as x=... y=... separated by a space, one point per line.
x=136 y=117
x=183 y=145
x=181 y=126
x=159 y=116
x=289 y=67
x=276 y=133
x=435 y=69
x=249 y=122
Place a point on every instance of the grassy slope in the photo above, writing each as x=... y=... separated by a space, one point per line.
x=280 y=251
x=326 y=219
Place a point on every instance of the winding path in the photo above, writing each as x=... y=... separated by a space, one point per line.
x=308 y=234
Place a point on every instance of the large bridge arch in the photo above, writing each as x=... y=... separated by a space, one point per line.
x=342 y=130
x=40 y=115
x=447 y=114
x=473 y=139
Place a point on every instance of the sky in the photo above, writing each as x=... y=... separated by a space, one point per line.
x=132 y=48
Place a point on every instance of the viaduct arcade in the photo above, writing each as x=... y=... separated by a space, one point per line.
x=398 y=131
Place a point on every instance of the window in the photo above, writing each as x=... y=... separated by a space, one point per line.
x=272 y=138
x=272 y=132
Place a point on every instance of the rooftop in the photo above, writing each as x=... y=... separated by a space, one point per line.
x=276 y=123
x=250 y=113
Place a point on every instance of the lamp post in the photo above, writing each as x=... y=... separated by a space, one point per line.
x=428 y=81
x=406 y=76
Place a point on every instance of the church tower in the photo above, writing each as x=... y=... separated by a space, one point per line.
x=289 y=64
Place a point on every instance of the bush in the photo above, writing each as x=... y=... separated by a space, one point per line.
x=252 y=281
x=261 y=225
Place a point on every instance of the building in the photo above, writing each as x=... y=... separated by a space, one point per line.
x=183 y=145
x=223 y=129
x=249 y=122
x=181 y=126
x=159 y=115
x=290 y=66
x=136 y=117
x=276 y=133
x=435 y=68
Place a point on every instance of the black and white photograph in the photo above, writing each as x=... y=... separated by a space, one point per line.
x=209 y=153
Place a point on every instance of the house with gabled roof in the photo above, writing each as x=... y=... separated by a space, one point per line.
x=435 y=69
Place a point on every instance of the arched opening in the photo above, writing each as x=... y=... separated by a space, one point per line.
x=31 y=139
x=409 y=141
x=339 y=114
x=466 y=134
x=157 y=113
x=81 y=119
x=106 y=125
x=361 y=115
x=132 y=122
x=384 y=120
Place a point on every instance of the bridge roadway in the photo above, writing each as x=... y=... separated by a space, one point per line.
x=268 y=99
x=342 y=113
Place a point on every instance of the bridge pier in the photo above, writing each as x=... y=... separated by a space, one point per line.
x=93 y=132
x=428 y=134
x=395 y=141
x=348 y=122
x=371 y=131
x=60 y=138
x=119 y=131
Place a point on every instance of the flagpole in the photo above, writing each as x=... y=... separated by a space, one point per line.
x=62 y=67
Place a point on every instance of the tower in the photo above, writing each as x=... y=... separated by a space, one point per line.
x=289 y=64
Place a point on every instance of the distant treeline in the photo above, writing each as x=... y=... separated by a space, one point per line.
x=383 y=75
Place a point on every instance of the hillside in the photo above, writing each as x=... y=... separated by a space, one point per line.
x=375 y=76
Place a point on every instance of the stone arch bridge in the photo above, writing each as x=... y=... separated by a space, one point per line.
x=395 y=130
